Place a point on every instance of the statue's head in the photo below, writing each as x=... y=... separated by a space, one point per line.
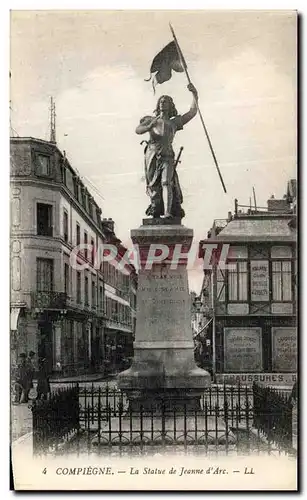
x=165 y=103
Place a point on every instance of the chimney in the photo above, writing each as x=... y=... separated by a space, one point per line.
x=109 y=223
x=275 y=205
x=292 y=190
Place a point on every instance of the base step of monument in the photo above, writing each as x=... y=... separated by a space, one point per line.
x=161 y=221
x=169 y=431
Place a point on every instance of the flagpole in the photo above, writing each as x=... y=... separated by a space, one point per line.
x=199 y=112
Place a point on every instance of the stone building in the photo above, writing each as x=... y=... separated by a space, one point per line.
x=79 y=317
x=253 y=297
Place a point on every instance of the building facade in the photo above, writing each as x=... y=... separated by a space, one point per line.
x=72 y=311
x=252 y=293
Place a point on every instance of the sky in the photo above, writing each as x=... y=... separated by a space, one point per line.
x=93 y=63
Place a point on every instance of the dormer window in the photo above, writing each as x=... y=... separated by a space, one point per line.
x=76 y=187
x=83 y=197
x=43 y=165
x=90 y=207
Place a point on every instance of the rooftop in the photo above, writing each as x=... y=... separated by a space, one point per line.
x=266 y=229
x=275 y=222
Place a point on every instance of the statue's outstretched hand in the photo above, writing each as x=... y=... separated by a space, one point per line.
x=192 y=89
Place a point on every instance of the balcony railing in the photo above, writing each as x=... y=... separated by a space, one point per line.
x=49 y=300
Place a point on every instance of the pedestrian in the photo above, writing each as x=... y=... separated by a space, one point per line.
x=22 y=382
x=30 y=371
x=43 y=384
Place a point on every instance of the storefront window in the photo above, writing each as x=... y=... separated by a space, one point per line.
x=237 y=282
x=281 y=281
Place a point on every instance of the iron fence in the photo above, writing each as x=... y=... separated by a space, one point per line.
x=273 y=415
x=229 y=419
x=55 y=420
x=234 y=403
x=49 y=300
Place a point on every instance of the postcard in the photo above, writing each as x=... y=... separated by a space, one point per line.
x=153 y=250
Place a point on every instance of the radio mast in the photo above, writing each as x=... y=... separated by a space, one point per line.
x=52 y=121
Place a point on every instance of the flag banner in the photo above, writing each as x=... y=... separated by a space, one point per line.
x=163 y=64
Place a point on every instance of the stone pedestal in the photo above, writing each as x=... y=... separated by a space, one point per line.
x=163 y=371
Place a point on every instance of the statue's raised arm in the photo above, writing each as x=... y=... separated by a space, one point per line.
x=193 y=109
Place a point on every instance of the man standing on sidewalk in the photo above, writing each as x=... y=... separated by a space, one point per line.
x=30 y=371
x=22 y=380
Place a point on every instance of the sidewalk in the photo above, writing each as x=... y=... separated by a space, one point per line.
x=21 y=420
x=21 y=415
x=89 y=377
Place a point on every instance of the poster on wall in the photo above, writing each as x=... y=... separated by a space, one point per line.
x=284 y=349
x=260 y=286
x=242 y=349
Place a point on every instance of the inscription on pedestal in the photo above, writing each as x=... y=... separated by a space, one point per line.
x=162 y=299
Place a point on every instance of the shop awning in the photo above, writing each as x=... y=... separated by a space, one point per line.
x=15 y=311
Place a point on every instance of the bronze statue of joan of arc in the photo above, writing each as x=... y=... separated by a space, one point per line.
x=162 y=183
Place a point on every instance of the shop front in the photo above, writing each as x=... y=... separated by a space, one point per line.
x=263 y=351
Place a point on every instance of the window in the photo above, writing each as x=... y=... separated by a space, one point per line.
x=92 y=252
x=44 y=219
x=281 y=252
x=281 y=280
x=112 y=276
x=44 y=275
x=90 y=207
x=121 y=313
x=78 y=287
x=65 y=225
x=114 y=310
x=66 y=279
x=220 y=284
x=78 y=239
x=63 y=174
x=86 y=290
x=85 y=243
x=237 y=282
x=83 y=196
x=93 y=294
x=76 y=186
x=237 y=252
x=43 y=165
x=101 y=298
